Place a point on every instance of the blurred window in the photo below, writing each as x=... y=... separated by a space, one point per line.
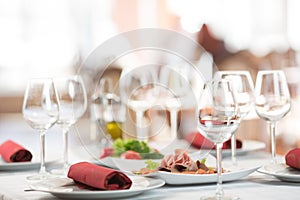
x=45 y=38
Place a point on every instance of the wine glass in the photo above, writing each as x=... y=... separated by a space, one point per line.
x=174 y=79
x=272 y=101
x=243 y=85
x=41 y=111
x=73 y=103
x=218 y=119
x=138 y=91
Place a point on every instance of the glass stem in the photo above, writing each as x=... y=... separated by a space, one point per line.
x=42 y=154
x=173 y=113
x=139 y=123
x=273 y=128
x=233 y=149
x=219 y=191
x=65 y=148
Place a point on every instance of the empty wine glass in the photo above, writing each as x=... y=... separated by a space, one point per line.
x=73 y=103
x=218 y=119
x=175 y=80
x=272 y=101
x=41 y=111
x=243 y=85
x=138 y=91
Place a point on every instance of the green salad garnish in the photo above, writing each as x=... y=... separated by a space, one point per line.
x=120 y=146
x=150 y=164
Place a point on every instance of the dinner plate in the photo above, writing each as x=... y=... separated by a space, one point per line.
x=234 y=173
x=66 y=189
x=14 y=166
x=281 y=171
x=248 y=146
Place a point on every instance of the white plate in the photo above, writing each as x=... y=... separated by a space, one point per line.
x=127 y=165
x=248 y=146
x=14 y=166
x=70 y=191
x=282 y=172
x=130 y=166
x=235 y=173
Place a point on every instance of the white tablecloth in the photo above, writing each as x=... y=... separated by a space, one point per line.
x=256 y=186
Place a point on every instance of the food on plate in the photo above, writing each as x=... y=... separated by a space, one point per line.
x=292 y=158
x=181 y=162
x=98 y=177
x=131 y=155
x=199 y=141
x=10 y=151
x=151 y=166
x=131 y=149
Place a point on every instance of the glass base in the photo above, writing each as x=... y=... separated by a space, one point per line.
x=39 y=177
x=60 y=172
x=215 y=197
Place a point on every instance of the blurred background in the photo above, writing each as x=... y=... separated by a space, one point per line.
x=47 y=38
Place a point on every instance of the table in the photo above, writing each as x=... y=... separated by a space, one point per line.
x=256 y=186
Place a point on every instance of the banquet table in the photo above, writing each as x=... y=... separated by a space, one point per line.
x=255 y=186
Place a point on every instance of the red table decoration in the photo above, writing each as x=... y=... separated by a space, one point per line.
x=292 y=158
x=199 y=141
x=99 y=177
x=13 y=152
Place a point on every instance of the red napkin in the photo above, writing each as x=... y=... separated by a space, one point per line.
x=199 y=141
x=99 y=177
x=292 y=158
x=13 y=152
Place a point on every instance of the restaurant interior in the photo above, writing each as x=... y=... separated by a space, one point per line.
x=101 y=40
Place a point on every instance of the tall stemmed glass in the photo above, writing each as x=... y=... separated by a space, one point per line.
x=138 y=92
x=73 y=104
x=218 y=120
x=244 y=88
x=41 y=111
x=175 y=81
x=272 y=101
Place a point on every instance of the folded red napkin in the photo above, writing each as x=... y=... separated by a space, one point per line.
x=292 y=158
x=99 y=177
x=13 y=152
x=199 y=141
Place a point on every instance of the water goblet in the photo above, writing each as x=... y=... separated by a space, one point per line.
x=218 y=119
x=41 y=111
x=176 y=82
x=73 y=104
x=272 y=101
x=243 y=85
x=138 y=91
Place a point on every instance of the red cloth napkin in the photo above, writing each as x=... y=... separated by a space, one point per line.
x=13 y=152
x=99 y=177
x=292 y=158
x=199 y=141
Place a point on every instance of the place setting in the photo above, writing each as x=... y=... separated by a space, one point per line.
x=107 y=163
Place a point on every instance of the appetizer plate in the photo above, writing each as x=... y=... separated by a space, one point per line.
x=14 y=166
x=234 y=173
x=282 y=172
x=66 y=189
x=127 y=165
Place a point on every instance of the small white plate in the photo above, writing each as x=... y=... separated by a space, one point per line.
x=15 y=166
x=68 y=190
x=282 y=172
x=235 y=173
